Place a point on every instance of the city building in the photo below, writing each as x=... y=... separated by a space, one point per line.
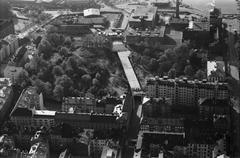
x=6 y=28
x=109 y=152
x=79 y=19
x=13 y=42
x=200 y=149
x=4 y=51
x=39 y=150
x=30 y=112
x=8 y=47
x=154 y=144
x=73 y=29
x=220 y=148
x=165 y=126
x=6 y=96
x=185 y=92
x=13 y=72
x=91 y=12
x=216 y=71
x=85 y=104
x=80 y=104
x=213 y=107
x=77 y=2
x=235 y=127
x=89 y=120
x=161 y=37
x=143 y=17
x=162 y=4
x=155 y=107
x=6 y=145
x=198 y=31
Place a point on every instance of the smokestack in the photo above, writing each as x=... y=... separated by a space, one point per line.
x=177 y=8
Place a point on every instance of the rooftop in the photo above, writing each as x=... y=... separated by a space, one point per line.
x=127 y=66
x=214 y=66
x=44 y=113
x=12 y=69
x=199 y=26
x=79 y=19
x=214 y=102
x=38 y=149
x=91 y=12
x=10 y=38
x=198 y=83
x=108 y=152
x=5 y=90
x=28 y=100
x=148 y=13
x=157 y=32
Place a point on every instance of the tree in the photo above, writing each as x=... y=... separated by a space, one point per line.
x=188 y=70
x=95 y=82
x=153 y=65
x=86 y=80
x=200 y=75
x=172 y=73
x=65 y=81
x=64 y=51
x=23 y=78
x=57 y=70
x=45 y=48
x=58 y=92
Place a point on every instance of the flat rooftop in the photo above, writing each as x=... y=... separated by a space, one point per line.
x=28 y=99
x=128 y=69
x=148 y=13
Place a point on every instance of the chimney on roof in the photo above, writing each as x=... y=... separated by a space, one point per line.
x=177 y=8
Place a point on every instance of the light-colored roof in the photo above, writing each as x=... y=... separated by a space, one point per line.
x=91 y=12
x=44 y=112
x=214 y=65
x=234 y=71
x=128 y=69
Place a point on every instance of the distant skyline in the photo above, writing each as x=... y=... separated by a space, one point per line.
x=227 y=6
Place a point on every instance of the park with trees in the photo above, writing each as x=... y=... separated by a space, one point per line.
x=63 y=67
x=180 y=61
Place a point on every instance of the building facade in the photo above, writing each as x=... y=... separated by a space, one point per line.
x=186 y=92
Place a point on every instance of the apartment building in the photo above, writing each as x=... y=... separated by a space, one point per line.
x=185 y=92
x=89 y=120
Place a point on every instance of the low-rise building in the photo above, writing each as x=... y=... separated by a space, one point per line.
x=91 y=12
x=162 y=38
x=143 y=17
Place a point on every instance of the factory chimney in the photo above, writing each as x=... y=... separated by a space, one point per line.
x=177 y=8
